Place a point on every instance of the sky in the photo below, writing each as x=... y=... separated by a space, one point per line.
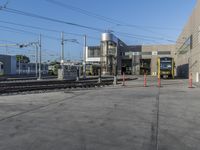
x=133 y=21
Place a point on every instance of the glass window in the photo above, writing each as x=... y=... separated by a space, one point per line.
x=164 y=52
x=93 y=52
x=165 y=65
x=146 y=53
x=188 y=45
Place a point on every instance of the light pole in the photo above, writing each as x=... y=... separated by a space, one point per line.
x=36 y=60
x=40 y=58
x=36 y=44
x=63 y=40
x=84 y=57
x=62 y=50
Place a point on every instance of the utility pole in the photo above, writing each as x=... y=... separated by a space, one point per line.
x=36 y=60
x=40 y=59
x=62 y=50
x=62 y=54
x=84 y=57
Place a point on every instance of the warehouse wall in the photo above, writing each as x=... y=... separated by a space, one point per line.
x=188 y=48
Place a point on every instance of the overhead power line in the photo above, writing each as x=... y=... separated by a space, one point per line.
x=28 y=32
x=85 y=12
x=143 y=37
x=73 y=24
x=104 y=18
x=140 y=37
x=118 y=23
x=48 y=18
x=45 y=29
x=29 y=26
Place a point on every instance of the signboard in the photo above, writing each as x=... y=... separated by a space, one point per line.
x=154 y=53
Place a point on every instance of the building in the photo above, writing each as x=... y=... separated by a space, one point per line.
x=93 y=54
x=115 y=57
x=10 y=66
x=187 y=47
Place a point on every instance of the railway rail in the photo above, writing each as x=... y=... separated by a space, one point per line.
x=25 y=86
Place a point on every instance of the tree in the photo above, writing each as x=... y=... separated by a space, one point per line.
x=22 y=59
x=53 y=67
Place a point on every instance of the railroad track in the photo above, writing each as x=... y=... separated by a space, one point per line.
x=14 y=87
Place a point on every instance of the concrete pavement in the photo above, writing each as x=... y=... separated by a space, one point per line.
x=108 y=118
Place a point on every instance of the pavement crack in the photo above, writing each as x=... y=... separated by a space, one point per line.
x=155 y=124
x=40 y=107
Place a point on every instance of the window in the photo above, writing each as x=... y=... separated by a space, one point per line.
x=188 y=45
x=146 y=53
x=164 y=52
x=93 y=52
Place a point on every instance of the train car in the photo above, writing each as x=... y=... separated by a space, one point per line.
x=92 y=69
x=166 y=67
x=1 y=69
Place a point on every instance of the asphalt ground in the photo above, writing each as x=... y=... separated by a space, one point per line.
x=130 y=117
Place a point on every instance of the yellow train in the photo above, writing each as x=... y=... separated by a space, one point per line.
x=166 y=67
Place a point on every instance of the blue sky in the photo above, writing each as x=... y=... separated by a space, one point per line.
x=133 y=21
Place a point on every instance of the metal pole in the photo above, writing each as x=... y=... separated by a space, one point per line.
x=62 y=54
x=115 y=70
x=62 y=48
x=19 y=67
x=84 y=57
x=36 y=61
x=40 y=58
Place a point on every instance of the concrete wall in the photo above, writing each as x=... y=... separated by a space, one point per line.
x=6 y=60
x=190 y=56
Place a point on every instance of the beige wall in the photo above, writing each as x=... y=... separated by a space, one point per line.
x=157 y=48
x=192 y=56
